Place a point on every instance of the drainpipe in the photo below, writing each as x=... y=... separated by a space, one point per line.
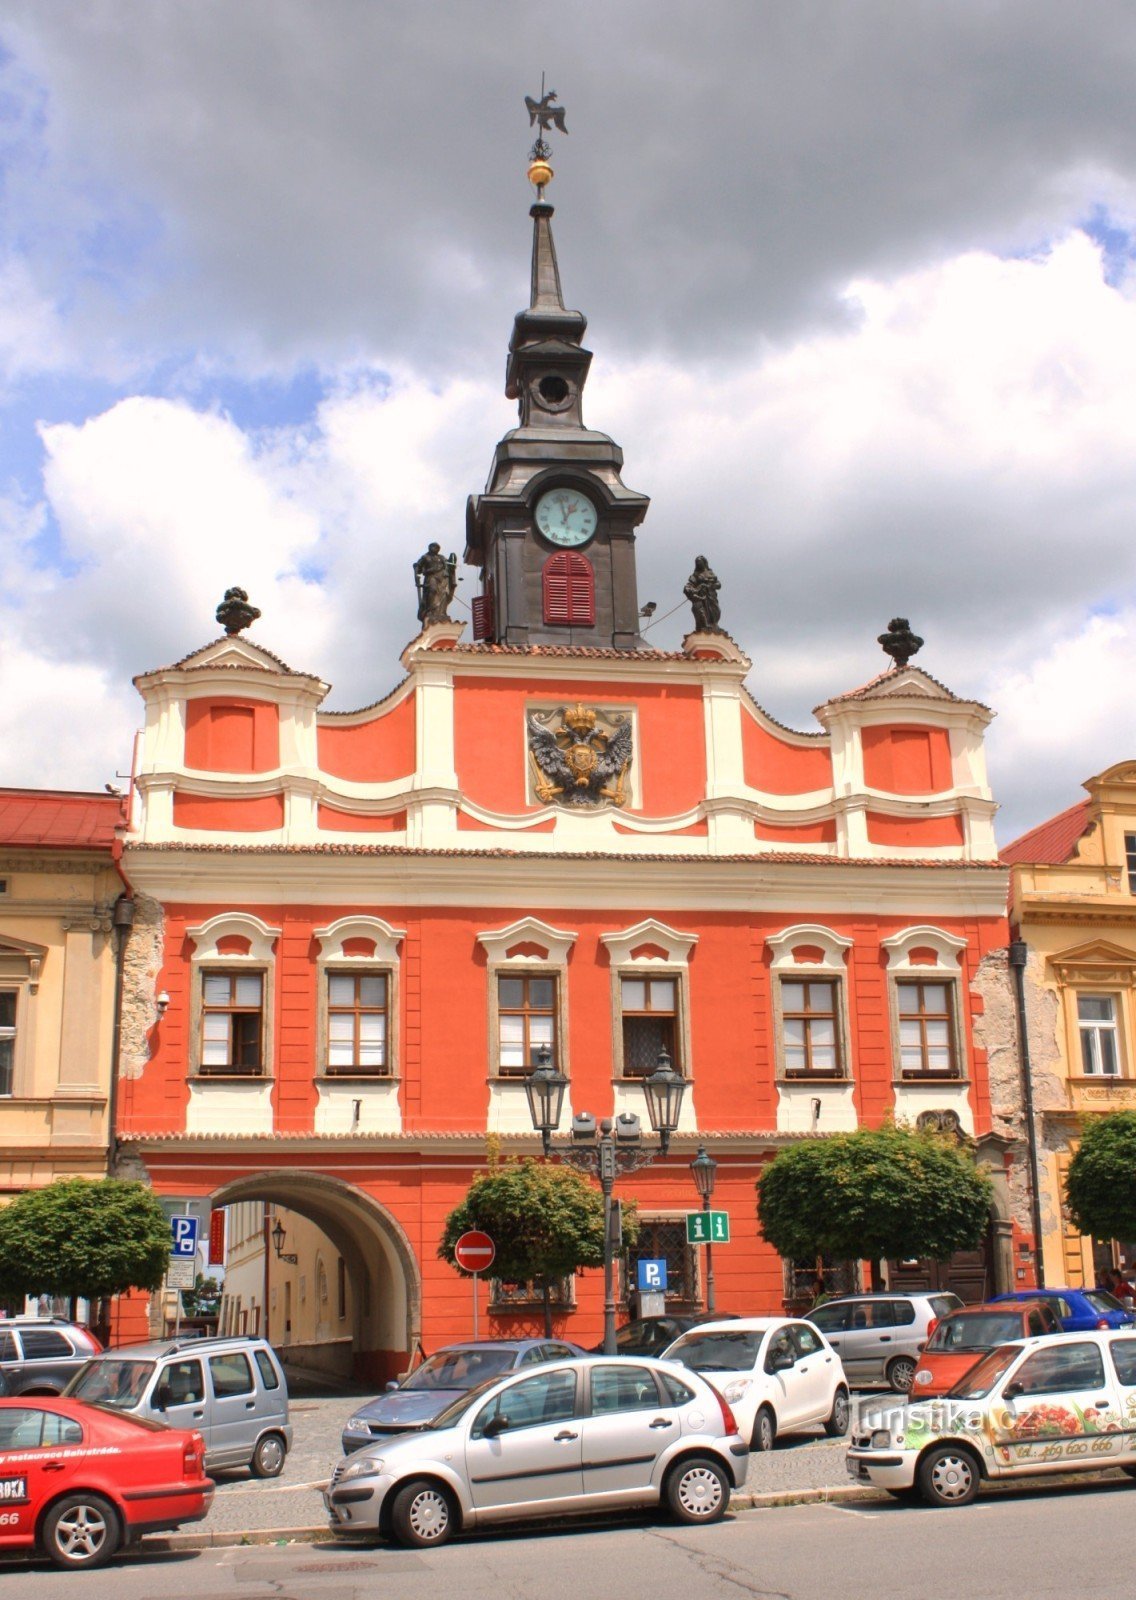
x=122 y=920
x=1019 y=955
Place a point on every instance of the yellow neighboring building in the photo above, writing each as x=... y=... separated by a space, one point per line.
x=1073 y=902
x=63 y=917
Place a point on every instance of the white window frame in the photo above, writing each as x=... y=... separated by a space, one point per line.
x=259 y=958
x=946 y=969
x=21 y=967
x=1094 y=1027
x=384 y=962
x=629 y=957
x=526 y=948
x=832 y=968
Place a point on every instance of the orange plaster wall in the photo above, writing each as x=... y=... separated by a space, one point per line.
x=907 y=760
x=777 y=767
x=377 y=751
x=334 y=821
x=822 y=832
x=915 y=831
x=230 y=735
x=490 y=745
x=257 y=813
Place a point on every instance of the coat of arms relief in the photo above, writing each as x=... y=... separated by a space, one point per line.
x=580 y=756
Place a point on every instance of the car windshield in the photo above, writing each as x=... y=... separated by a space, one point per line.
x=457 y=1408
x=717 y=1352
x=460 y=1369
x=985 y=1374
x=980 y=1330
x=1102 y=1301
x=113 y=1382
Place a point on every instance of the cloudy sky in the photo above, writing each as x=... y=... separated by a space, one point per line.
x=861 y=290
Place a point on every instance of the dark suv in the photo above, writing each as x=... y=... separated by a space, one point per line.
x=40 y=1355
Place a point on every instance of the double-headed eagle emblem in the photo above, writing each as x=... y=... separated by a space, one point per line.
x=576 y=763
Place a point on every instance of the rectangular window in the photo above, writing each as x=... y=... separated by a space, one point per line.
x=926 y=1031
x=1130 y=860
x=661 y=1239
x=649 y=1007
x=810 y=1029
x=526 y=1021
x=232 y=1022
x=7 y=1040
x=1096 y=1019
x=357 y=1023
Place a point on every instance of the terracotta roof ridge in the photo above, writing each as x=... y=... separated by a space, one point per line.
x=1051 y=842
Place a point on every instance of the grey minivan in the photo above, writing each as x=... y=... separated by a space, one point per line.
x=232 y=1390
x=878 y=1337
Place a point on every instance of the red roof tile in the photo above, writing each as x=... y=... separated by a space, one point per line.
x=57 y=819
x=1052 y=842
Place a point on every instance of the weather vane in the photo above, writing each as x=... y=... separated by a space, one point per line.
x=545 y=115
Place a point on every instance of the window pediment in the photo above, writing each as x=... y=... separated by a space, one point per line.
x=220 y=938
x=649 y=943
x=1099 y=961
x=910 y=949
x=528 y=939
x=360 y=939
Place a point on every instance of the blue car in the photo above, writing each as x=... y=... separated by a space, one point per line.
x=1078 y=1310
x=430 y=1388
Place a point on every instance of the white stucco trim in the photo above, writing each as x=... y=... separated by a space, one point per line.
x=913 y=1097
x=229 y=1107
x=837 y=1105
x=233 y=924
x=377 y=1102
x=948 y=947
x=509 y=1107
x=554 y=942
x=834 y=946
x=386 y=939
x=650 y=931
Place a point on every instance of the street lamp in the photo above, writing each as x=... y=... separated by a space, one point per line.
x=703 y=1170
x=617 y=1149
x=278 y=1243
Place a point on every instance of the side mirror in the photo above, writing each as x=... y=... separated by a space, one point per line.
x=782 y=1361
x=1012 y=1390
x=391 y=1386
x=495 y=1425
x=163 y=1395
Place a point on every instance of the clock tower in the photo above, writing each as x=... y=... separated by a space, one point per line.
x=553 y=535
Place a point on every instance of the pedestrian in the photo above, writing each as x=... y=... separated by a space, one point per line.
x=820 y=1292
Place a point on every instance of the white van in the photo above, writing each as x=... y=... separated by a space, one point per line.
x=232 y=1390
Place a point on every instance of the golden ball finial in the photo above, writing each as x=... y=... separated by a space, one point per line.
x=540 y=173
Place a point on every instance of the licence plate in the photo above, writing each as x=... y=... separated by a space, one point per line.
x=856 y=1469
x=13 y=1490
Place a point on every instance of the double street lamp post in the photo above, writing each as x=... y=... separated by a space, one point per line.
x=616 y=1150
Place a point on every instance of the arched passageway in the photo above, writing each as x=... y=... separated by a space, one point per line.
x=386 y=1299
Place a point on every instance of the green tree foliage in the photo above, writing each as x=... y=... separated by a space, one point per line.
x=545 y=1220
x=1101 y=1184
x=872 y=1195
x=83 y=1237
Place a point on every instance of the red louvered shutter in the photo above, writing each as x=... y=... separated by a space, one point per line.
x=482 y=608
x=569 y=590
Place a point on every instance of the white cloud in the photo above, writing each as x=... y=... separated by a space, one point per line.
x=964 y=451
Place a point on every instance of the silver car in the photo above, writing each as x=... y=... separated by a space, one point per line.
x=594 y=1435
x=878 y=1337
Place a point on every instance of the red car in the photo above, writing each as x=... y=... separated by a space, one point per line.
x=80 y=1481
x=963 y=1338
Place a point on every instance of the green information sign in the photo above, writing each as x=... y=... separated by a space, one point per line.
x=707 y=1227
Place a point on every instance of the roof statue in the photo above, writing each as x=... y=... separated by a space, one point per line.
x=544 y=112
x=899 y=642
x=435 y=578
x=546 y=116
x=701 y=589
x=234 y=612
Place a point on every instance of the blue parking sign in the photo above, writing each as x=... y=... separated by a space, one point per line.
x=183 y=1237
x=652 y=1276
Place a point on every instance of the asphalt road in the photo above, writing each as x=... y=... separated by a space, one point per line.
x=1039 y=1542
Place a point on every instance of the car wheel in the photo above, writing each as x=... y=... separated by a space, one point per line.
x=268 y=1457
x=900 y=1374
x=764 y=1430
x=1131 y=1471
x=698 y=1490
x=81 y=1530
x=948 y=1476
x=840 y=1415
x=423 y=1514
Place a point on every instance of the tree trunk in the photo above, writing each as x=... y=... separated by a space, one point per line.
x=546 y=1302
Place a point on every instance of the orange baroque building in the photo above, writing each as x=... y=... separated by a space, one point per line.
x=365 y=925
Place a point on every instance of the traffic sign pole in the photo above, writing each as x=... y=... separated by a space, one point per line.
x=474 y=1253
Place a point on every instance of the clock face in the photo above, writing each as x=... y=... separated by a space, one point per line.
x=565 y=516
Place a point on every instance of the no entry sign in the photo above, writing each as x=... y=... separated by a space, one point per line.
x=474 y=1252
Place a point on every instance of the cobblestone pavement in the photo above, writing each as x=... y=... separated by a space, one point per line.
x=242 y=1503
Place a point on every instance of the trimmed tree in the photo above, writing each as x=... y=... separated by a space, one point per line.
x=1101 y=1182
x=545 y=1220
x=875 y=1194
x=85 y=1237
